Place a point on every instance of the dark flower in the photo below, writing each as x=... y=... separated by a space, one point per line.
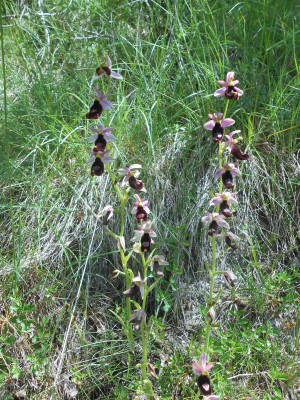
x=95 y=110
x=132 y=291
x=143 y=234
x=102 y=136
x=204 y=385
x=215 y=221
x=213 y=228
x=227 y=179
x=216 y=125
x=225 y=209
x=140 y=209
x=229 y=89
x=106 y=70
x=145 y=242
x=137 y=286
x=202 y=371
x=135 y=183
x=100 y=104
x=130 y=174
x=97 y=168
x=233 y=149
x=236 y=152
x=100 y=142
x=228 y=172
x=224 y=200
x=98 y=159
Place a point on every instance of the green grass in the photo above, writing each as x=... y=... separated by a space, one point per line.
x=55 y=261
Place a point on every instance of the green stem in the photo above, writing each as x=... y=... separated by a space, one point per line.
x=226 y=108
x=6 y=145
x=211 y=292
x=144 y=331
x=145 y=282
x=3 y=71
x=128 y=301
x=123 y=200
x=213 y=273
x=113 y=180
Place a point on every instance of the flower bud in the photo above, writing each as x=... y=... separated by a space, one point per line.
x=230 y=278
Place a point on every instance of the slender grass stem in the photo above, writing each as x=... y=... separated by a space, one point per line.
x=3 y=70
x=6 y=145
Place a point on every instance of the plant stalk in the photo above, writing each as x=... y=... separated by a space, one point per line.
x=123 y=200
x=144 y=331
x=214 y=253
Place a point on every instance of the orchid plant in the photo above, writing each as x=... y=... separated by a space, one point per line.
x=217 y=220
x=137 y=285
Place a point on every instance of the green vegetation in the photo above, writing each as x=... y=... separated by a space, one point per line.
x=58 y=335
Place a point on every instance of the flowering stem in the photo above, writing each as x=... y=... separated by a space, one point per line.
x=214 y=253
x=211 y=291
x=3 y=70
x=113 y=180
x=145 y=282
x=5 y=140
x=226 y=108
x=128 y=302
x=220 y=152
x=123 y=201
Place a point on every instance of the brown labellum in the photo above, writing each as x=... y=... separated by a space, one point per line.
x=236 y=152
x=204 y=385
x=95 y=110
x=97 y=167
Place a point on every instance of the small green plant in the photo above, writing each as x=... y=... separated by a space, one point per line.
x=19 y=329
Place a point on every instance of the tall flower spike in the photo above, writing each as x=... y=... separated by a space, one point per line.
x=100 y=103
x=229 y=89
x=216 y=125
x=106 y=70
